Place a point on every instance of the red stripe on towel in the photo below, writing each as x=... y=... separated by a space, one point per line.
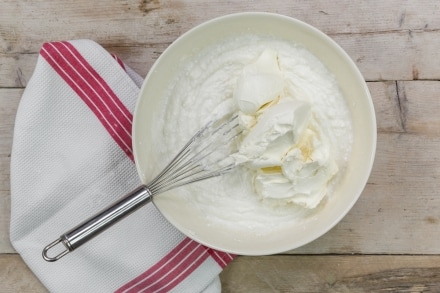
x=170 y=270
x=124 y=115
x=93 y=90
x=222 y=258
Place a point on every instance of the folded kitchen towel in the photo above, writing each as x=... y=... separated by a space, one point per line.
x=71 y=157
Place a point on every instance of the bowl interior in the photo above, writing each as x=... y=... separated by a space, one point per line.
x=352 y=85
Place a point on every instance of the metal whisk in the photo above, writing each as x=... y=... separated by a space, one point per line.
x=206 y=155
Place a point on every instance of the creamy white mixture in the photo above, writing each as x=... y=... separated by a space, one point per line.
x=297 y=136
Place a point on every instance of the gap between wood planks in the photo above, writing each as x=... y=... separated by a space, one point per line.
x=402 y=102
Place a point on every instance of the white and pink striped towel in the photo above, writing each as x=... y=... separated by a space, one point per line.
x=71 y=157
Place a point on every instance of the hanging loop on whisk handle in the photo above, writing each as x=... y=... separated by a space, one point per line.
x=91 y=227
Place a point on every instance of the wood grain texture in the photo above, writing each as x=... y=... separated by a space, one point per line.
x=327 y=273
x=398 y=45
x=398 y=212
x=333 y=274
x=9 y=100
x=15 y=276
x=393 y=230
x=126 y=22
x=383 y=56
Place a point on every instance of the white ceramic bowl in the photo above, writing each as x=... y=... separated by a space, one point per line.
x=352 y=85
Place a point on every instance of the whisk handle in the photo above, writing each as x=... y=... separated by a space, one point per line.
x=91 y=227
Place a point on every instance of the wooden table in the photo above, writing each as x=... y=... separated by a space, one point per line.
x=390 y=240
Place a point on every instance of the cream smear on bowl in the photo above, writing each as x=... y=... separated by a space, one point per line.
x=297 y=136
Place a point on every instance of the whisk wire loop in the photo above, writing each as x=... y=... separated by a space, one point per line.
x=204 y=153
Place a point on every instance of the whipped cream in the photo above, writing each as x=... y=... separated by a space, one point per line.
x=297 y=137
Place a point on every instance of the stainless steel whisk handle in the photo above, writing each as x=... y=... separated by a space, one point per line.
x=91 y=227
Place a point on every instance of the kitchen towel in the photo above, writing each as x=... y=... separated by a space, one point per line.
x=71 y=157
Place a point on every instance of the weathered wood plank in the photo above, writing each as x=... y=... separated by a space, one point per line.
x=386 y=106
x=332 y=274
x=16 y=69
x=289 y=274
x=398 y=45
x=399 y=210
x=380 y=56
x=407 y=106
x=5 y=216
x=420 y=106
x=399 y=205
x=143 y=22
x=407 y=55
x=9 y=100
x=15 y=276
